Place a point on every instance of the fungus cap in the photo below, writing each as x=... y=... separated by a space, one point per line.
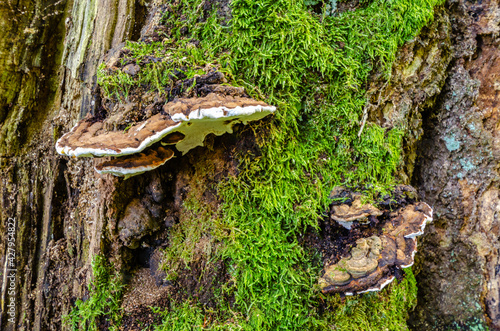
x=346 y=214
x=416 y=219
x=136 y=164
x=192 y=117
x=88 y=138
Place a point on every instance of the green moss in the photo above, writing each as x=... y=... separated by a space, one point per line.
x=315 y=70
x=186 y=317
x=374 y=311
x=194 y=225
x=312 y=145
x=190 y=316
x=196 y=235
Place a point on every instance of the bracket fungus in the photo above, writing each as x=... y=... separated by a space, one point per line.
x=136 y=164
x=212 y=114
x=346 y=214
x=183 y=123
x=372 y=262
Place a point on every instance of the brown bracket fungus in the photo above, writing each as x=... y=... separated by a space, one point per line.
x=359 y=271
x=212 y=114
x=88 y=138
x=390 y=245
x=184 y=123
x=136 y=164
x=346 y=214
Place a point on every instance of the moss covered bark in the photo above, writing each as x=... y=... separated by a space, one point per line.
x=314 y=68
x=350 y=86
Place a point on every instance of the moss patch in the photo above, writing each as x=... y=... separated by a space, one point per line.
x=315 y=69
x=373 y=311
x=102 y=307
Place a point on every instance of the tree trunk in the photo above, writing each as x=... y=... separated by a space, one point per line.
x=61 y=213
x=457 y=172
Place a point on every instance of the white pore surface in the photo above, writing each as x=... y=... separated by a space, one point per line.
x=428 y=219
x=195 y=127
x=128 y=172
x=348 y=225
x=121 y=172
x=202 y=122
x=379 y=288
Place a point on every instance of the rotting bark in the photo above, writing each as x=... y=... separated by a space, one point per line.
x=65 y=213
x=30 y=54
x=417 y=78
x=457 y=172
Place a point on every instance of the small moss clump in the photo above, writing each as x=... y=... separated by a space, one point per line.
x=104 y=302
x=373 y=311
x=193 y=235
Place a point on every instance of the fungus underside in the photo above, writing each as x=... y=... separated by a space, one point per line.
x=314 y=69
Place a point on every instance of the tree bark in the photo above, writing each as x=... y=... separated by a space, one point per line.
x=49 y=52
x=457 y=172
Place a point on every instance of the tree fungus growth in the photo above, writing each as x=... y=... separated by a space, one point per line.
x=346 y=214
x=183 y=123
x=383 y=245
